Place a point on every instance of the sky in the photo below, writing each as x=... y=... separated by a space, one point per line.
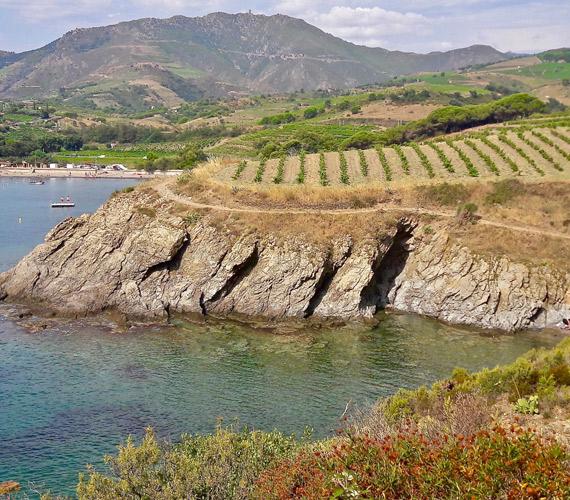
x=410 y=25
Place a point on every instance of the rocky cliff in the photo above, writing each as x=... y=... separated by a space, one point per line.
x=134 y=256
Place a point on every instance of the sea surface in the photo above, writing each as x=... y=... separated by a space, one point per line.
x=73 y=392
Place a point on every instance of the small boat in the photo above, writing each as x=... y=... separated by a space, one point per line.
x=63 y=203
x=37 y=183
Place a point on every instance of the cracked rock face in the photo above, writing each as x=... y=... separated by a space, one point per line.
x=148 y=264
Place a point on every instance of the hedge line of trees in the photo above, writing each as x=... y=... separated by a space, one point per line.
x=27 y=144
x=457 y=118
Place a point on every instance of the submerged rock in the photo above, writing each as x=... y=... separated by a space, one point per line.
x=146 y=263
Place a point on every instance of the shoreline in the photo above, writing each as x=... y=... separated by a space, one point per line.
x=80 y=173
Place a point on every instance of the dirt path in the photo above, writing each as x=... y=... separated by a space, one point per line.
x=164 y=191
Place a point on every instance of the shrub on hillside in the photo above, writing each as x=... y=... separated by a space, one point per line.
x=444 y=194
x=500 y=463
x=504 y=191
x=223 y=465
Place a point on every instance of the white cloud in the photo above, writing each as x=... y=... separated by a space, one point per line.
x=370 y=25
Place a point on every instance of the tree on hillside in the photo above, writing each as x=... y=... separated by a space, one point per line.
x=191 y=156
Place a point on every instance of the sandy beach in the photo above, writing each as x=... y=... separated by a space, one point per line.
x=81 y=173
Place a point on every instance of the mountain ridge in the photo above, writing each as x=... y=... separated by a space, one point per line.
x=212 y=55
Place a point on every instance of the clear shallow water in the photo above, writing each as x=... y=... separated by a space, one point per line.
x=26 y=216
x=70 y=394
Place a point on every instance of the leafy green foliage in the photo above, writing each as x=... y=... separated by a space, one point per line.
x=260 y=171
x=456 y=118
x=384 y=162
x=242 y=165
x=446 y=162
x=473 y=172
x=191 y=156
x=503 y=138
x=278 y=119
x=223 y=465
x=363 y=163
x=539 y=150
x=484 y=156
x=423 y=159
x=404 y=162
x=302 y=167
x=278 y=179
x=546 y=140
x=344 y=179
x=527 y=406
x=323 y=170
x=504 y=156
x=499 y=463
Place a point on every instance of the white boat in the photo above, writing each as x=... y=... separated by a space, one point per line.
x=67 y=203
x=63 y=205
x=37 y=183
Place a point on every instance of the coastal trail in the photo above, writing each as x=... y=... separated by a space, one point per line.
x=165 y=192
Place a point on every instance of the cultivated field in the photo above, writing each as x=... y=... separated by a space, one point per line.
x=536 y=150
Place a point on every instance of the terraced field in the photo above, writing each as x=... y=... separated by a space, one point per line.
x=529 y=151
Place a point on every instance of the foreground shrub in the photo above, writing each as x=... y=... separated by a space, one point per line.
x=490 y=464
x=220 y=466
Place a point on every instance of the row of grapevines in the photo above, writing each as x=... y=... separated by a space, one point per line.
x=343 y=168
x=384 y=163
x=323 y=170
x=501 y=153
x=540 y=136
x=539 y=150
x=473 y=172
x=403 y=159
x=301 y=174
x=280 y=173
x=484 y=156
x=424 y=159
x=503 y=138
x=560 y=136
x=442 y=157
x=260 y=171
x=239 y=170
x=363 y=163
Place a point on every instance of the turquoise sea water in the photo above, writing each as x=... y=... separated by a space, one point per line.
x=71 y=393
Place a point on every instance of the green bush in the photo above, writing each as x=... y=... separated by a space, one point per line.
x=527 y=406
x=278 y=119
x=220 y=466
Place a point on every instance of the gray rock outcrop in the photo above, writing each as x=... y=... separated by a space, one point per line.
x=147 y=263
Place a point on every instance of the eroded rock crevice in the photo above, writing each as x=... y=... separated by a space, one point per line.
x=389 y=266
